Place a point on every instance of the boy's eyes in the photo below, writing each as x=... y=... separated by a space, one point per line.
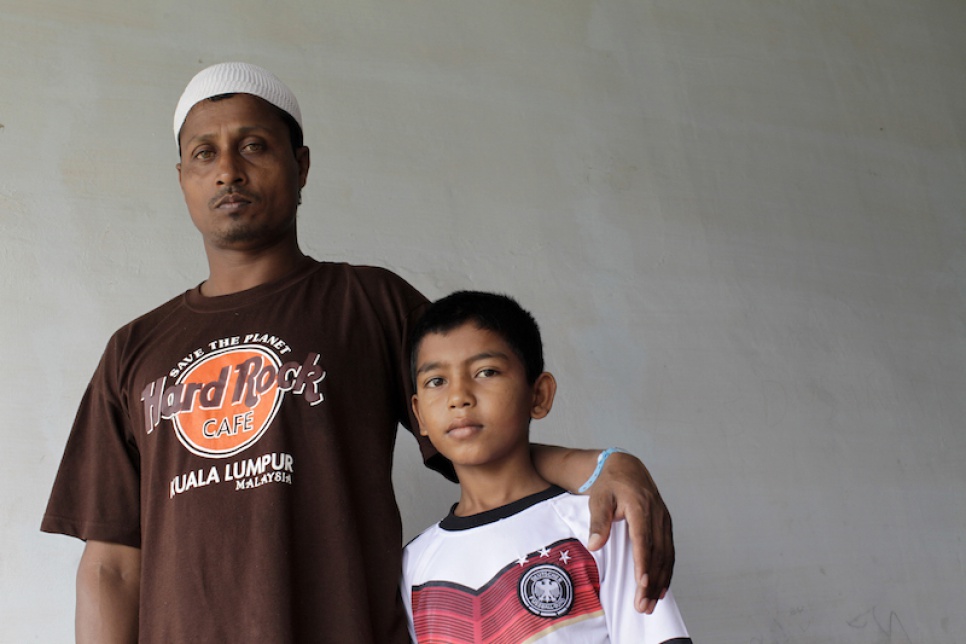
x=432 y=383
x=439 y=381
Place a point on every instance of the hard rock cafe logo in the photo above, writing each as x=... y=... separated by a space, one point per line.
x=224 y=403
x=547 y=591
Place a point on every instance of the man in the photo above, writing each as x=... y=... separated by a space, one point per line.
x=230 y=464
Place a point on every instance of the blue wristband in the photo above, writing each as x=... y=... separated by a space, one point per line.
x=601 y=459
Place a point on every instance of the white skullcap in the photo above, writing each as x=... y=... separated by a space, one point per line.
x=235 y=78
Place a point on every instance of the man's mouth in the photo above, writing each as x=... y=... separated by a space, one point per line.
x=231 y=201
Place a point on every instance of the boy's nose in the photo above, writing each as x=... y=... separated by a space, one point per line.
x=460 y=395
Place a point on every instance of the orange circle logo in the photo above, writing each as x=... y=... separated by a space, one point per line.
x=227 y=401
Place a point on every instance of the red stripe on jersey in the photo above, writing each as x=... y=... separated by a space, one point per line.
x=454 y=614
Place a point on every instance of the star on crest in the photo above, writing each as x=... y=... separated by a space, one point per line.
x=565 y=556
x=522 y=561
x=544 y=552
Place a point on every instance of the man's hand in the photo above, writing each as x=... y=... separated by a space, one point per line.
x=625 y=490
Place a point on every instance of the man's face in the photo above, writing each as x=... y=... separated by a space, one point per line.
x=239 y=174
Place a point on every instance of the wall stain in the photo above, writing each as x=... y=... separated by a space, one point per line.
x=890 y=632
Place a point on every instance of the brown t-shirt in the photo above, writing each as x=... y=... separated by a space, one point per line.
x=244 y=443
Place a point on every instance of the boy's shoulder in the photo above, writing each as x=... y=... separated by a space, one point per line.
x=571 y=508
x=421 y=539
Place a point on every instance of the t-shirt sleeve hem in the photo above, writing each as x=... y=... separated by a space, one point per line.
x=87 y=530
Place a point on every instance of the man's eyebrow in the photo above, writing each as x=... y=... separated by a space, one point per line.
x=483 y=355
x=244 y=131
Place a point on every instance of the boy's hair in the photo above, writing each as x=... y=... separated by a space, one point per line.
x=500 y=314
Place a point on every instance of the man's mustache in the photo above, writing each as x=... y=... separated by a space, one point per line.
x=230 y=194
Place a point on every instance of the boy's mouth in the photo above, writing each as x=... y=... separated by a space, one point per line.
x=463 y=428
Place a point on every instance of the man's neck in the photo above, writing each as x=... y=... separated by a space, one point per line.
x=233 y=272
x=488 y=487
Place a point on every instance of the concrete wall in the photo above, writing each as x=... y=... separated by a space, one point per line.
x=741 y=224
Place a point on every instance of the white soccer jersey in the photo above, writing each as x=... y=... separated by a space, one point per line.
x=522 y=573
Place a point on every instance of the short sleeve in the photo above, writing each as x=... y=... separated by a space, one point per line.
x=617 y=591
x=96 y=493
x=405 y=305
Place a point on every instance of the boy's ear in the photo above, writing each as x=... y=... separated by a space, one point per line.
x=543 y=392
x=415 y=403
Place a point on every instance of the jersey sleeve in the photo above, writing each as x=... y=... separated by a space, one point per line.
x=410 y=557
x=617 y=588
x=615 y=564
x=96 y=493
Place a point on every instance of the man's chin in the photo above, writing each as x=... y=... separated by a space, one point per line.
x=236 y=237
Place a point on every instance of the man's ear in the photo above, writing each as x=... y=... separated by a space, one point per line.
x=544 y=390
x=415 y=402
x=303 y=159
x=178 y=166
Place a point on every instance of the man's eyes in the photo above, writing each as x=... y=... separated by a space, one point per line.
x=433 y=383
x=206 y=154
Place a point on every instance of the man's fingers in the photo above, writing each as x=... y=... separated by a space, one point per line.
x=601 y=519
x=660 y=568
x=641 y=603
x=652 y=544
x=657 y=570
x=641 y=549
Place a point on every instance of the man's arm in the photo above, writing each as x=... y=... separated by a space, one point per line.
x=108 y=589
x=624 y=490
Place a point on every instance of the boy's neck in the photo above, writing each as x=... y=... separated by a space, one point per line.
x=490 y=486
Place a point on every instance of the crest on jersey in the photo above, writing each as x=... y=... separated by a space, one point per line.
x=547 y=591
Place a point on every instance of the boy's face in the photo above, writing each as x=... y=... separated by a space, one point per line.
x=472 y=397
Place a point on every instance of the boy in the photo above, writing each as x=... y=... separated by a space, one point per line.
x=510 y=562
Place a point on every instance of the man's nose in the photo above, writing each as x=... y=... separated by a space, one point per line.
x=230 y=169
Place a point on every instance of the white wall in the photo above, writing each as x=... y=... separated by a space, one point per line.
x=741 y=224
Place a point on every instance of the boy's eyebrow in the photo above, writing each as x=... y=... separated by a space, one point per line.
x=428 y=366
x=483 y=355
